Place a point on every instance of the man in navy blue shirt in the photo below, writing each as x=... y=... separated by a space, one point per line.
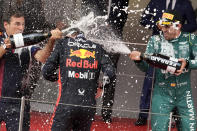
x=14 y=65
x=150 y=16
x=79 y=61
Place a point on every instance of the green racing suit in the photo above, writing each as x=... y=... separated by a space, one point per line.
x=170 y=90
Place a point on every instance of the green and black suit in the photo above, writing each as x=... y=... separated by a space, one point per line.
x=170 y=90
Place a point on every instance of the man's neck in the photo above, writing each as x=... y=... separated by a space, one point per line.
x=173 y=3
x=178 y=34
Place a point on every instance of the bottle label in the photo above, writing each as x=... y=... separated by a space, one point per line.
x=18 y=40
x=170 y=69
x=173 y=59
x=163 y=61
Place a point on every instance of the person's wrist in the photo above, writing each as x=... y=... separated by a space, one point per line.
x=140 y=60
x=52 y=40
x=137 y=61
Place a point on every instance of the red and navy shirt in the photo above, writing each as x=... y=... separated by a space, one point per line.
x=13 y=67
x=79 y=61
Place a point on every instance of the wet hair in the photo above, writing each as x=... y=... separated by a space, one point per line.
x=12 y=13
x=74 y=31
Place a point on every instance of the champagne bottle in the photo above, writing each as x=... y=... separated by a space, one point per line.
x=169 y=64
x=27 y=39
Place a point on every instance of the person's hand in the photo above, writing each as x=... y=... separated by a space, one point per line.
x=135 y=55
x=7 y=43
x=56 y=34
x=183 y=65
x=99 y=91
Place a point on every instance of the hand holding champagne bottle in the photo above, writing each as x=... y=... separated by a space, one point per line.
x=27 y=39
x=173 y=65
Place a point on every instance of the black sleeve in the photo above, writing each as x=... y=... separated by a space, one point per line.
x=146 y=18
x=1 y=15
x=118 y=15
x=190 y=16
x=107 y=65
x=52 y=64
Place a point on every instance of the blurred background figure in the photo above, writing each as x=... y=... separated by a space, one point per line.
x=99 y=7
x=117 y=17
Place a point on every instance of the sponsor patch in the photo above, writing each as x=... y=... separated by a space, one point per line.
x=81 y=75
x=82 y=53
x=173 y=84
x=168 y=16
x=82 y=64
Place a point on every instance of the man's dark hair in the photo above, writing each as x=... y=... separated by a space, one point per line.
x=12 y=13
x=74 y=31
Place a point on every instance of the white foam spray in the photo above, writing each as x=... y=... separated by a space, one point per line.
x=96 y=29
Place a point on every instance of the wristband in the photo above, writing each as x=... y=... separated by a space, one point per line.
x=187 y=64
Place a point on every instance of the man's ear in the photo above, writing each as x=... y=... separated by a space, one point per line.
x=5 y=24
x=179 y=25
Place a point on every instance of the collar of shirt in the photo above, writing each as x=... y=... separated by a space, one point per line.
x=173 y=3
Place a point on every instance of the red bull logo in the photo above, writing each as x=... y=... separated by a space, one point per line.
x=82 y=64
x=82 y=53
